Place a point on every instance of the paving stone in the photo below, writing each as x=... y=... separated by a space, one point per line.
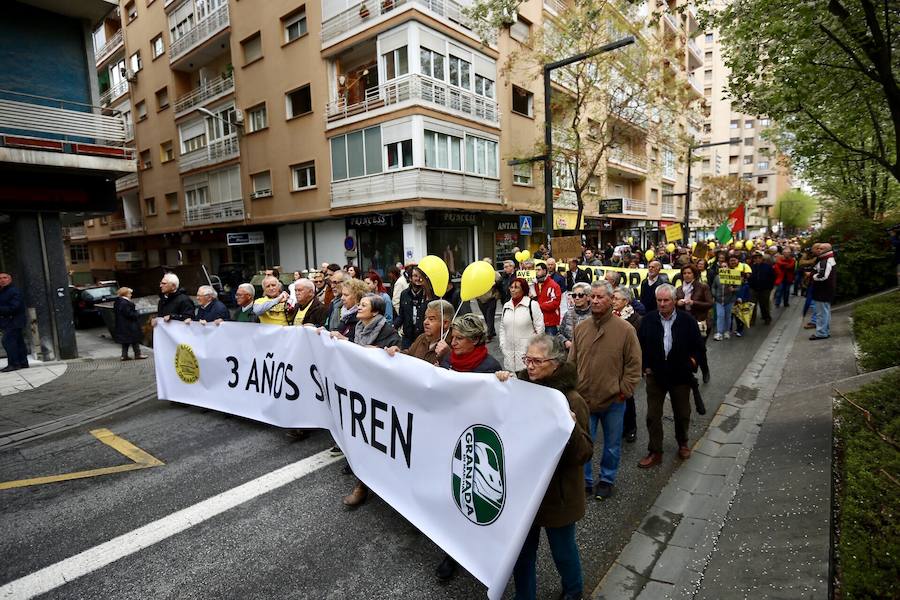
x=619 y=584
x=656 y=591
x=640 y=553
x=659 y=524
x=688 y=533
x=671 y=564
x=673 y=499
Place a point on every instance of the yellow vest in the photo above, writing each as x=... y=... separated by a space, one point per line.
x=273 y=316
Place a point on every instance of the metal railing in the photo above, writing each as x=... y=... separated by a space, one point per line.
x=672 y=21
x=202 y=31
x=207 y=91
x=125 y=225
x=219 y=212
x=693 y=47
x=75 y=232
x=556 y=7
x=414 y=183
x=127 y=182
x=214 y=152
x=694 y=84
x=368 y=10
x=109 y=48
x=631 y=206
x=417 y=87
x=628 y=159
x=114 y=93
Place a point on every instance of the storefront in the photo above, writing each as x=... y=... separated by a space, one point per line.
x=377 y=240
x=452 y=236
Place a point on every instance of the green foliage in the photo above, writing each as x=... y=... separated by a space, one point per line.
x=865 y=259
x=869 y=526
x=794 y=209
x=877 y=333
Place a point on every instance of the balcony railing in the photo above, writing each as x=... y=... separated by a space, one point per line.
x=114 y=93
x=215 y=152
x=109 y=48
x=628 y=159
x=127 y=182
x=694 y=85
x=355 y=17
x=557 y=7
x=414 y=183
x=125 y=225
x=693 y=47
x=668 y=208
x=209 y=90
x=631 y=206
x=215 y=22
x=75 y=232
x=417 y=88
x=672 y=21
x=220 y=212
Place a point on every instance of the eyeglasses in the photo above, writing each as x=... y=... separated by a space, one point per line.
x=530 y=360
x=578 y=294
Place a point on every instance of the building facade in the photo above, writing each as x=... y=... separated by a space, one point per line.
x=291 y=134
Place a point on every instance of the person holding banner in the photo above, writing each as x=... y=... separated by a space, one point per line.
x=174 y=303
x=375 y=284
x=272 y=307
x=243 y=296
x=563 y=504
x=352 y=292
x=335 y=282
x=438 y=315
x=520 y=320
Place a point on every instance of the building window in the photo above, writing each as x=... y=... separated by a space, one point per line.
x=748 y=160
x=735 y=124
x=252 y=48
x=764 y=122
x=707 y=92
x=222 y=126
x=141 y=109
x=732 y=160
x=432 y=63
x=261 y=184
x=131 y=11
x=484 y=87
x=78 y=253
x=522 y=174
x=145 y=161
x=668 y=163
x=762 y=165
x=522 y=101
x=706 y=164
x=257 y=118
x=172 y=202
x=459 y=72
x=294 y=24
x=762 y=180
x=396 y=63
x=166 y=152
x=162 y=98
x=709 y=38
x=356 y=154
x=150 y=203
x=707 y=128
x=707 y=57
x=304 y=176
x=520 y=30
x=157 y=47
x=135 y=62
x=748 y=124
x=481 y=156
x=443 y=151
x=193 y=143
x=748 y=141
x=399 y=154
x=707 y=75
x=299 y=102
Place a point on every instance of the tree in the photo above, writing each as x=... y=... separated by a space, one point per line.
x=826 y=71
x=608 y=105
x=719 y=195
x=794 y=209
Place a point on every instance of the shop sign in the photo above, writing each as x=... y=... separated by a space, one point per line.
x=245 y=238
x=566 y=219
x=375 y=220
x=452 y=219
x=611 y=205
x=507 y=226
x=128 y=256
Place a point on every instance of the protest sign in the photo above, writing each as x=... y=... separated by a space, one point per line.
x=730 y=276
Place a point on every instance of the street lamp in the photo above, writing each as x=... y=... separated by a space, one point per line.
x=210 y=113
x=687 y=195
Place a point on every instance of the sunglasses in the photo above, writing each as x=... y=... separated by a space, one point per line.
x=578 y=295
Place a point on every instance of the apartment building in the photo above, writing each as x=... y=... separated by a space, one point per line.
x=750 y=155
x=293 y=133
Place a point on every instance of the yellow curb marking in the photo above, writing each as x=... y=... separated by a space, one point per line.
x=142 y=460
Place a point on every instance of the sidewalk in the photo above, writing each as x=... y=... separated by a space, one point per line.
x=748 y=516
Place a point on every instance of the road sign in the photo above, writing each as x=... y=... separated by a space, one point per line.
x=525 y=225
x=611 y=205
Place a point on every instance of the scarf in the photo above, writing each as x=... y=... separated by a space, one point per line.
x=515 y=302
x=467 y=362
x=687 y=288
x=626 y=312
x=366 y=334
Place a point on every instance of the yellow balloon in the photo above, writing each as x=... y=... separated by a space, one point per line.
x=649 y=254
x=526 y=254
x=693 y=245
x=749 y=245
x=770 y=243
x=436 y=270
x=519 y=257
x=712 y=245
x=477 y=280
x=630 y=239
x=670 y=247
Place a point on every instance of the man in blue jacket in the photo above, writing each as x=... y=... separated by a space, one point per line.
x=12 y=322
x=211 y=309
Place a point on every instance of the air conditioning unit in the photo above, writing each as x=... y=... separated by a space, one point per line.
x=238 y=116
x=130 y=76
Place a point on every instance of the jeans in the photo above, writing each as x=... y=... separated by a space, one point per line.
x=14 y=345
x=611 y=420
x=823 y=319
x=565 y=555
x=551 y=330
x=783 y=293
x=723 y=316
x=810 y=304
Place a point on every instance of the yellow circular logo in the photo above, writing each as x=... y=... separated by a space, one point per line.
x=186 y=364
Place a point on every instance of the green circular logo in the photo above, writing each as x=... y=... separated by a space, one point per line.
x=478 y=476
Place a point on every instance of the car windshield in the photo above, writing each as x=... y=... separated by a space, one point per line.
x=99 y=293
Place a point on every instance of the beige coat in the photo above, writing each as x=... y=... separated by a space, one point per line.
x=607 y=355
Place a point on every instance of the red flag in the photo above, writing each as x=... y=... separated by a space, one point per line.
x=736 y=221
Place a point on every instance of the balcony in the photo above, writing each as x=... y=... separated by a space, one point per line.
x=412 y=184
x=628 y=159
x=695 y=56
x=672 y=22
x=414 y=89
x=122 y=226
x=694 y=85
x=355 y=19
x=75 y=232
x=220 y=212
x=209 y=91
x=216 y=22
x=114 y=93
x=113 y=45
x=126 y=183
x=215 y=152
x=555 y=7
x=631 y=206
x=693 y=18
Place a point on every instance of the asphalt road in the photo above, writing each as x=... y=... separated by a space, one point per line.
x=297 y=541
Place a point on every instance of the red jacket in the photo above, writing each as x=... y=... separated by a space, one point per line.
x=548 y=298
x=784 y=270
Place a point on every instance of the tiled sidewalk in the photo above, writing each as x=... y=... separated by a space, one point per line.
x=29 y=379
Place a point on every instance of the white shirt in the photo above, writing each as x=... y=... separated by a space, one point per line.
x=667 y=331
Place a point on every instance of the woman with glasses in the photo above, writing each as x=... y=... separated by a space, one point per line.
x=580 y=310
x=563 y=505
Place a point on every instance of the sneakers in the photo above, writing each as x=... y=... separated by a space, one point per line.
x=446 y=569
x=335 y=451
x=603 y=490
x=651 y=460
x=718 y=337
x=816 y=337
x=726 y=336
x=738 y=334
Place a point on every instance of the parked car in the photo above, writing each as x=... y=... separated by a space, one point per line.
x=85 y=299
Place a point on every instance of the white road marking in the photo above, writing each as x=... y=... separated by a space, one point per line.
x=52 y=577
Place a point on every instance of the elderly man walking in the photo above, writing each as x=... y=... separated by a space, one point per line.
x=607 y=355
x=670 y=342
x=824 y=276
x=12 y=322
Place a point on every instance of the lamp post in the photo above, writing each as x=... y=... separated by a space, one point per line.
x=687 y=195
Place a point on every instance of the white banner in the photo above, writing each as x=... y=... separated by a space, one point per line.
x=463 y=457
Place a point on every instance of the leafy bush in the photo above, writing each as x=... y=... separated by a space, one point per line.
x=869 y=527
x=877 y=331
x=865 y=259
